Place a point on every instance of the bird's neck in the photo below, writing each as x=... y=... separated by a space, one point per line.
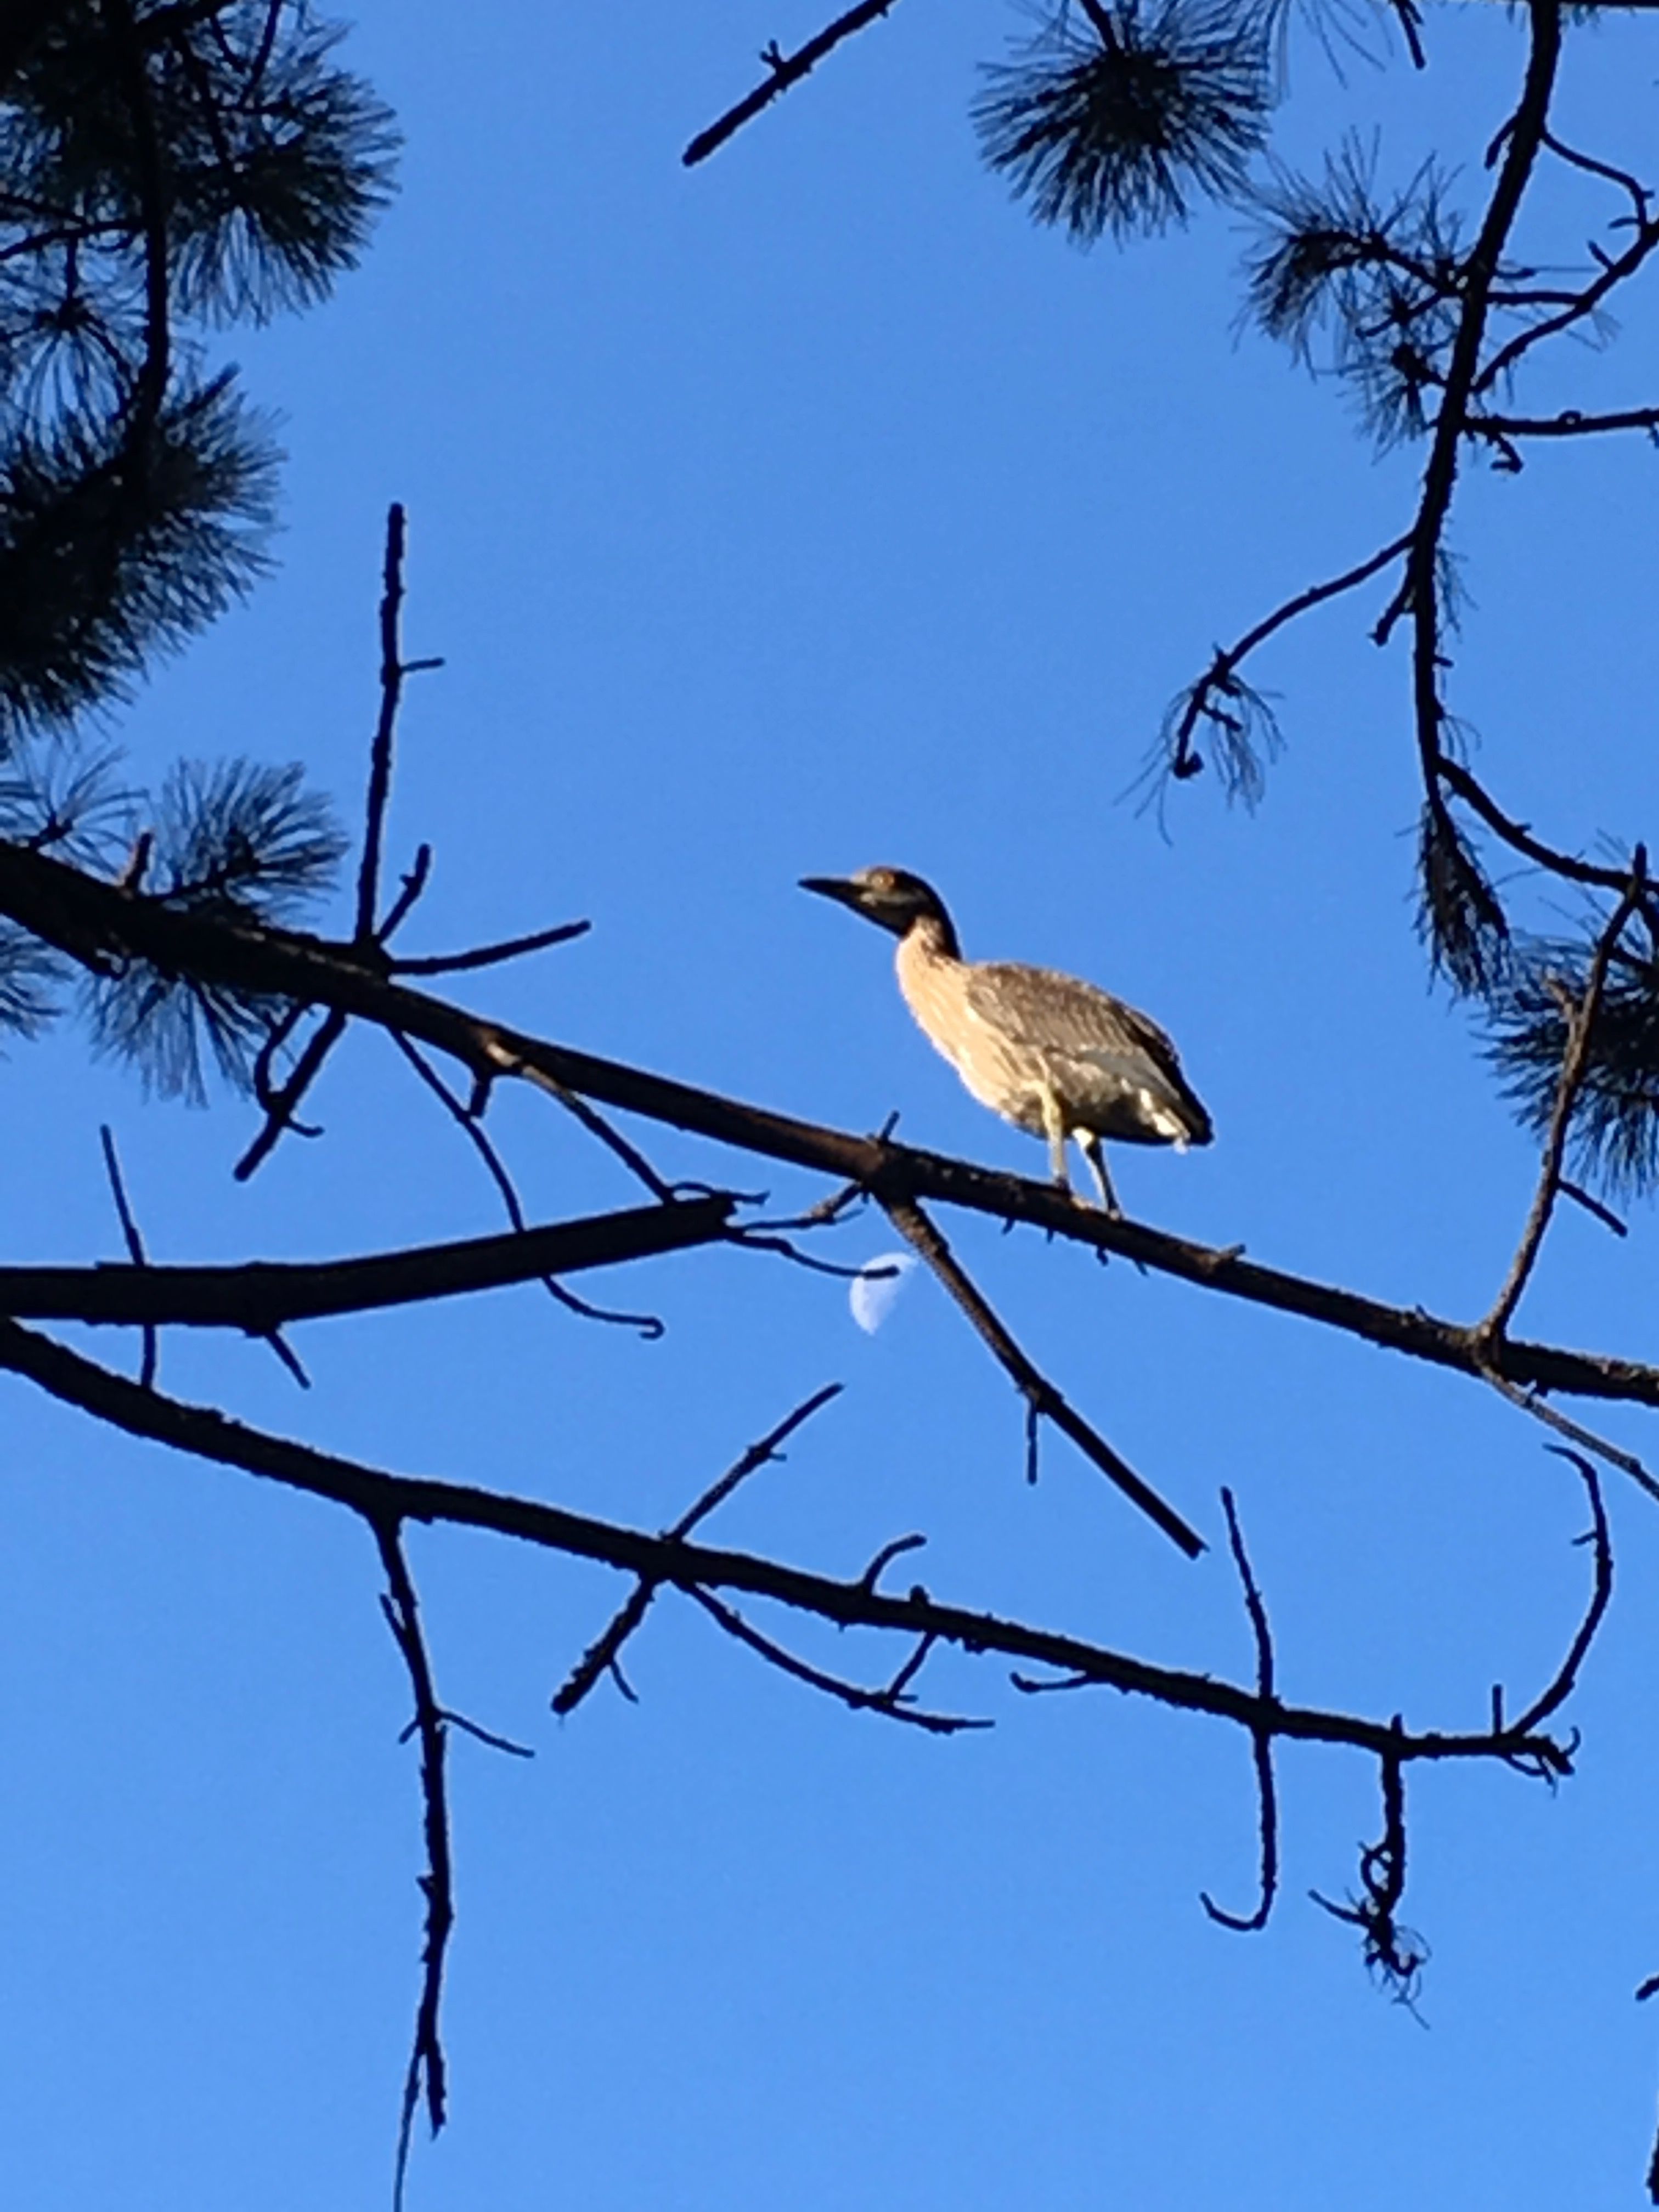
x=930 y=937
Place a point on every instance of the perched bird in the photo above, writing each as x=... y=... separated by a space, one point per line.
x=1049 y=1054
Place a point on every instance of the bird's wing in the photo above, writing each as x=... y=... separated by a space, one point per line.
x=1048 y=1011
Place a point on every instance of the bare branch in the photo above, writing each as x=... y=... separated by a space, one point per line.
x=490 y=955
x=1567 y=1678
x=888 y=1702
x=1261 y=1742
x=260 y=1296
x=88 y=918
x=601 y=1656
x=380 y=1496
x=1041 y=1398
x=1575 y=1066
x=135 y=1245
x=784 y=70
x=380 y=760
x=426 y=2059
x=279 y=1114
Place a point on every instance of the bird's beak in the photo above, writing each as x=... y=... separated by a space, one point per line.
x=836 y=888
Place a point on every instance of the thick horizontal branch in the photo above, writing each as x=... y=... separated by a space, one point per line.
x=671 y=1560
x=91 y=919
x=267 y=1294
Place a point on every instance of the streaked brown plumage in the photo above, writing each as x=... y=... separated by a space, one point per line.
x=1049 y=1053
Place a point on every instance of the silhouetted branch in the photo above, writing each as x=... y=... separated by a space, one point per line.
x=490 y=955
x=1219 y=678
x=379 y=759
x=889 y=1701
x=470 y=1123
x=784 y=70
x=280 y=1111
x=135 y=1245
x=1567 y=1678
x=1569 y=423
x=1261 y=1741
x=380 y=1496
x=261 y=1296
x=426 y=2059
x=1041 y=1398
x=86 y=918
x=1575 y=1065
x=1398 y=1954
x=601 y=1656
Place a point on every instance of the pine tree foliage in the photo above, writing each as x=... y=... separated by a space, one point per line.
x=1363 y=286
x=1614 y=1133
x=1116 y=123
x=164 y=170
x=241 y=841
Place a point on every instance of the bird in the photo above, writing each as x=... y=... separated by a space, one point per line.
x=1049 y=1053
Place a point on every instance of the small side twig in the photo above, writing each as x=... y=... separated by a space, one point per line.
x=648 y=1325
x=490 y=955
x=1260 y=1739
x=1566 y=1675
x=135 y=1245
x=425 y=2071
x=887 y=1701
x=1395 y=1953
x=282 y=1104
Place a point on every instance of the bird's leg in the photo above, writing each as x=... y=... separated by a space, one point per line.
x=1089 y=1143
x=1053 y=1125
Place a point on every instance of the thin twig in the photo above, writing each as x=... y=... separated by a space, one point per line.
x=279 y=1114
x=648 y=1325
x=1533 y=1403
x=1261 y=1741
x=414 y=883
x=135 y=1245
x=1569 y=423
x=1041 y=1396
x=784 y=70
x=490 y=955
x=887 y=1701
x=1183 y=762
x=1567 y=1678
x=426 y=2059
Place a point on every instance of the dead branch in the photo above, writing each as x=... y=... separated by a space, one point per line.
x=784 y=70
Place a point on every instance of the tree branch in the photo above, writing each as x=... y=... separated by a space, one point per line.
x=86 y=918
x=381 y=1497
x=784 y=70
x=1041 y=1396
x=263 y=1295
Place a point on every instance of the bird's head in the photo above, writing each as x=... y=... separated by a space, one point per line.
x=891 y=897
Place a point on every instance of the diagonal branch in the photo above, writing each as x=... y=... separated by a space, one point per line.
x=601 y=1656
x=784 y=70
x=1041 y=1398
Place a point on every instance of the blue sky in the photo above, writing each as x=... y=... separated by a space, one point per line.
x=808 y=511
